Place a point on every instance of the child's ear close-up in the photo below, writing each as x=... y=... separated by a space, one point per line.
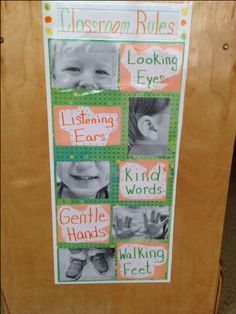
x=147 y=127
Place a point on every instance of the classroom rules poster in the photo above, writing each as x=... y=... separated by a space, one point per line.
x=115 y=78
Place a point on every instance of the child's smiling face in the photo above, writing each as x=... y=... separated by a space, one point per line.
x=78 y=68
x=84 y=179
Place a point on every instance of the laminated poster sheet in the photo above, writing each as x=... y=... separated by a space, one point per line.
x=115 y=74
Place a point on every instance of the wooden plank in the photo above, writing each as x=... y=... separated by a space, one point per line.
x=219 y=288
x=205 y=158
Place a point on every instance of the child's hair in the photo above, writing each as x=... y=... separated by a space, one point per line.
x=139 y=107
x=60 y=47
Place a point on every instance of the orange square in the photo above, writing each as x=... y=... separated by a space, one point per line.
x=141 y=261
x=143 y=180
x=87 y=223
x=87 y=126
x=151 y=67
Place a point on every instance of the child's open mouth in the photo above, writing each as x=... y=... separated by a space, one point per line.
x=85 y=178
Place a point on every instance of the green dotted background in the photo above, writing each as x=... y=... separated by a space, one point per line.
x=114 y=154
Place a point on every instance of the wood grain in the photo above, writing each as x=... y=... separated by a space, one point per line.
x=206 y=150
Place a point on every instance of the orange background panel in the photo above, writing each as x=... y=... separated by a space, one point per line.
x=80 y=210
x=174 y=82
x=148 y=165
x=159 y=271
x=63 y=138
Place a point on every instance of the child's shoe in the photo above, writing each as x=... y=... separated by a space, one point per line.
x=99 y=262
x=74 y=271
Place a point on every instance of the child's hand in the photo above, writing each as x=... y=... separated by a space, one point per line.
x=123 y=228
x=154 y=228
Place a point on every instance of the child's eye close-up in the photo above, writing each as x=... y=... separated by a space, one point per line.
x=103 y=72
x=72 y=69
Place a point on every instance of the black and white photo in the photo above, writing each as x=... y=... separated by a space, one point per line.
x=83 y=179
x=84 y=64
x=140 y=222
x=148 y=126
x=88 y=264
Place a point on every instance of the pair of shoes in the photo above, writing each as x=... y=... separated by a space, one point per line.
x=99 y=262
x=74 y=271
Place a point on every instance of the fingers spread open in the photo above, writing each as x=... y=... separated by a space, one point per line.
x=119 y=223
x=153 y=216
x=145 y=220
x=126 y=223
x=116 y=229
x=158 y=217
x=129 y=222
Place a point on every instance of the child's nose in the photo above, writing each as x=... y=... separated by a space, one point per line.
x=87 y=81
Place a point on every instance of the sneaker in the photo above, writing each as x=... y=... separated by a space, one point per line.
x=99 y=262
x=74 y=271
